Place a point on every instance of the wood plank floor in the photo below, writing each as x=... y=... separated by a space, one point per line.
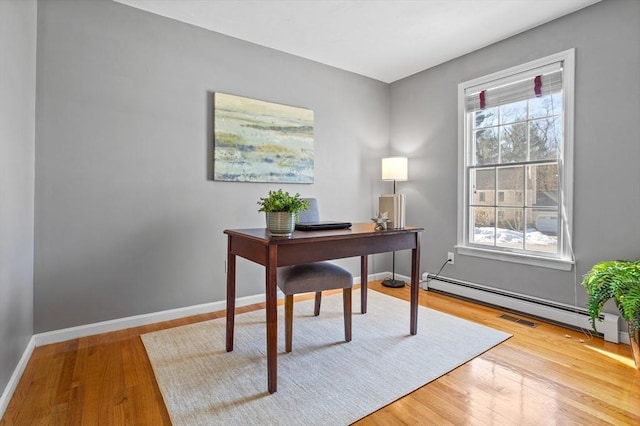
x=547 y=375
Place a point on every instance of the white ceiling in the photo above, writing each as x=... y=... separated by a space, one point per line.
x=383 y=39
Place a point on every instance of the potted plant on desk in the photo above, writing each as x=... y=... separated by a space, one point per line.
x=281 y=209
x=618 y=280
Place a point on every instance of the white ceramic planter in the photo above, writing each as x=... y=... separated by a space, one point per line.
x=281 y=224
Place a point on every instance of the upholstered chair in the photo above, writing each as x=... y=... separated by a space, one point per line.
x=314 y=277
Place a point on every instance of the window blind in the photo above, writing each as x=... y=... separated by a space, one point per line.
x=540 y=82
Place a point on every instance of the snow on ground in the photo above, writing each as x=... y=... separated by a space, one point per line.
x=485 y=235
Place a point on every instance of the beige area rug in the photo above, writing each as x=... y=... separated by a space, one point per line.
x=324 y=381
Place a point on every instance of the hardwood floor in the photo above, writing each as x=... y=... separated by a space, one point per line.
x=547 y=375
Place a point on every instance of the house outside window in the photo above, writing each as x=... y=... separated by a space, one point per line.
x=516 y=149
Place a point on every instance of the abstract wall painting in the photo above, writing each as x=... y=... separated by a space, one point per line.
x=257 y=141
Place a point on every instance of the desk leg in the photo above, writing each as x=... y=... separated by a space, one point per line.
x=231 y=295
x=364 y=272
x=415 y=285
x=272 y=319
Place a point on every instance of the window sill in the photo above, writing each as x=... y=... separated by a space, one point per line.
x=543 y=262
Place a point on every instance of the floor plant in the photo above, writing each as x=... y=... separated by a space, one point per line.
x=618 y=280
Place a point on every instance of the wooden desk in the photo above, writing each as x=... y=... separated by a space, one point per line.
x=361 y=240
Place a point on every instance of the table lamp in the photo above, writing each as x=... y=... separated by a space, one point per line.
x=395 y=169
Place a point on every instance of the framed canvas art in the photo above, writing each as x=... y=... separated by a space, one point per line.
x=258 y=141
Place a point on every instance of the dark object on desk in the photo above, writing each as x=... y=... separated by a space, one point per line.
x=321 y=226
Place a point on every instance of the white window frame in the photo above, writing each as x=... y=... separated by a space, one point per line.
x=564 y=259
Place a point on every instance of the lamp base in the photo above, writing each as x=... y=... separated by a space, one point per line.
x=388 y=282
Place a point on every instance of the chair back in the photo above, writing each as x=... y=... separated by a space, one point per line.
x=311 y=214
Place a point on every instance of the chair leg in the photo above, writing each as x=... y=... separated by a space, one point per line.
x=346 y=301
x=316 y=309
x=288 y=321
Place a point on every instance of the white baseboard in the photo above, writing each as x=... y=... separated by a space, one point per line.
x=15 y=377
x=374 y=277
x=65 y=334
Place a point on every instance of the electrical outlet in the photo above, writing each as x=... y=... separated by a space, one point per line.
x=450 y=258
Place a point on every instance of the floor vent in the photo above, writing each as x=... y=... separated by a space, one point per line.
x=518 y=320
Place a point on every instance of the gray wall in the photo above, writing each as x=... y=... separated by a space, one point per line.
x=17 y=148
x=424 y=125
x=127 y=221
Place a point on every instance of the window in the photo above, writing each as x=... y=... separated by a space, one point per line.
x=516 y=163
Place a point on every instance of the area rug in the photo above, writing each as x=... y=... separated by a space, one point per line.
x=325 y=380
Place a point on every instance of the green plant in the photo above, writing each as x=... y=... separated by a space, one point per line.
x=617 y=279
x=282 y=201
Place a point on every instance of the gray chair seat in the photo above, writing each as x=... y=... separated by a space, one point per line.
x=314 y=277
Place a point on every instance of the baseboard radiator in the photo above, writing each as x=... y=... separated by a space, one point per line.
x=540 y=308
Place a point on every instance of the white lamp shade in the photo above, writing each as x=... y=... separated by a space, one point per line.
x=395 y=168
